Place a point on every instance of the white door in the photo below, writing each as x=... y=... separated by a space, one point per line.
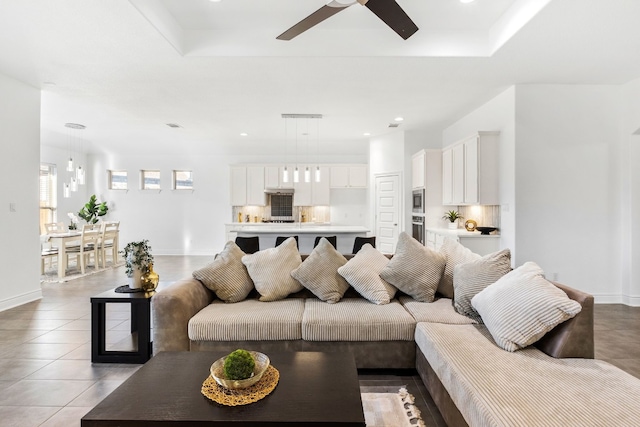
x=388 y=212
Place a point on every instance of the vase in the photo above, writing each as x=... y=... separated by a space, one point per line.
x=135 y=279
x=453 y=225
x=150 y=280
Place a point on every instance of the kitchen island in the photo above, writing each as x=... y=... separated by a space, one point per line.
x=306 y=232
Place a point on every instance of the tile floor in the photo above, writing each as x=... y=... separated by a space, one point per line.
x=47 y=379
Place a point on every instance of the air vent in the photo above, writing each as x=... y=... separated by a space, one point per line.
x=173 y=125
x=394 y=125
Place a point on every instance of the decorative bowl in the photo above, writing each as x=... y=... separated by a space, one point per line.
x=262 y=363
x=486 y=230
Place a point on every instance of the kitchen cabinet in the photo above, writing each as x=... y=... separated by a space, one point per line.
x=238 y=185
x=418 y=169
x=247 y=186
x=320 y=191
x=273 y=177
x=349 y=176
x=475 y=242
x=302 y=193
x=470 y=171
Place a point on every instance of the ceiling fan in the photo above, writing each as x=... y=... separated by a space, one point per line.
x=388 y=11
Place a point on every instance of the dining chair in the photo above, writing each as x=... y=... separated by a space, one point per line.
x=332 y=239
x=89 y=243
x=281 y=239
x=108 y=242
x=359 y=242
x=249 y=245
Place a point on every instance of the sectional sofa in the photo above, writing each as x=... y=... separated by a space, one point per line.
x=463 y=363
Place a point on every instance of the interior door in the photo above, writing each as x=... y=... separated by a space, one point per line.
x=388 y=212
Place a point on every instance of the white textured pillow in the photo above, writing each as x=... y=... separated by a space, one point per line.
x=523 y=306
x=363 y=273
x=319 y=272
x=271 y=269
x=455 y=254
x=472 y=277
x=414 y=269
x=226 y=275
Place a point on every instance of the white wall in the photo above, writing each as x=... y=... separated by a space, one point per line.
x=20 y=159
x=498 y=114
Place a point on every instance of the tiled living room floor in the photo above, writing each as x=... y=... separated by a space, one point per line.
x=47 y=379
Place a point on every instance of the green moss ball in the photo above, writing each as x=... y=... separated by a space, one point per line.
x=239 y=365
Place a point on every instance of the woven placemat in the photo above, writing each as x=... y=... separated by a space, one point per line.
x=214 y=391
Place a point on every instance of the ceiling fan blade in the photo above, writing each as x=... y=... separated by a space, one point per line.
x=392 y=14
x=326 y=11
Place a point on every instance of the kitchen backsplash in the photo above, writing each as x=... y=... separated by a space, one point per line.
x=260 y=213
x=484 y=216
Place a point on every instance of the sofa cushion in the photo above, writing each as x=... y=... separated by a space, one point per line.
x=248 y=320
x=454 y=254
x=363 y=273
x=319 y=272
x=355 y=319
x=439 y=311
x=492 y=387
x=226 y=275
x=523 y=306
x=271 y=269
x=472 y=277
x=414 y=269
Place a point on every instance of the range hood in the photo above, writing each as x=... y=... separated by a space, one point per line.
x=278 y=190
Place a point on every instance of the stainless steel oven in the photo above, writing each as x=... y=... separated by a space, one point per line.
x=417 y=226
x=418 y=201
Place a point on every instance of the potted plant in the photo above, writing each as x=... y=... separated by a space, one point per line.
x=92 y=210
x=138 y=261
x=452 y=216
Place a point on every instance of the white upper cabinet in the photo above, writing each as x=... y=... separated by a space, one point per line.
x=273 y=177
x=255 y=186
x=418 y=171
x=470 y=171
x=238 y=185
x=320 y=191
x=349 y=176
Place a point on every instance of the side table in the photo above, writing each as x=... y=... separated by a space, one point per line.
x=140 y=322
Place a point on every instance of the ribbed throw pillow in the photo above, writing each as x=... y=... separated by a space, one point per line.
x=523 y=306
x=271 y=269
x=414 y=269
x=226 y=275
x=455 y=254
x=363 y=273
x=319 y=272
x=472 y=277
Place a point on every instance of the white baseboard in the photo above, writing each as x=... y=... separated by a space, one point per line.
x=632 y=301
x=17 y=300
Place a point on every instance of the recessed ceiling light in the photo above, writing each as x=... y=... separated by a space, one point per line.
x=215 y=1
x=465 y=1
x=399 y=119
x=367 y=134
x=244 y=134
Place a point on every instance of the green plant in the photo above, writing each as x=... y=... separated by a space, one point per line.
x=239 y=365
x=92 y=210
x=452 y=216
x=137 y=255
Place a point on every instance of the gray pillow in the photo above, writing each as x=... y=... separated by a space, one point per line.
x=472 y=277
x=521 y=307
x=226 y=275
x=319 y=272
x=414 y=269
x=363 y=273
x=271 y=269
x=455 y=254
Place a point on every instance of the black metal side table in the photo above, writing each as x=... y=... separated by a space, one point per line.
x=140 y=323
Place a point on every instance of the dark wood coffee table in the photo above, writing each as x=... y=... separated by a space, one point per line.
x=314 y=389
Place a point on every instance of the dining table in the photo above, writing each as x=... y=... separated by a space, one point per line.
x=60 y=241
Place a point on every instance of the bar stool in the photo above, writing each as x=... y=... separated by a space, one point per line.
x=281 y=239
x=359 y=242
x=249 y=245
x=332 y=239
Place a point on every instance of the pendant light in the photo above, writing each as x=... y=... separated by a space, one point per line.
x=318 y=151
x=78 y=176
x=285 y=170
x=66 y=191
x=307 y=172
x=296 y=172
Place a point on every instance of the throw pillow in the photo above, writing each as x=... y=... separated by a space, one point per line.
x=414 y=269
x=319 y=272
x=454 y=254
x=271 y=269
x=226 y=275
x=472 y=277
x=523 y=306
x=363 y=273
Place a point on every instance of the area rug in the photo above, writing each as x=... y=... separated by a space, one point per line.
x=391 y=410
x=51 y=274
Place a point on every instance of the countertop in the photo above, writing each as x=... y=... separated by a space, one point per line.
x=461 y=232
x=306 y=227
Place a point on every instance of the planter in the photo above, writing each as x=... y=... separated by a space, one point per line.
x=135 y=280
x=453 y=226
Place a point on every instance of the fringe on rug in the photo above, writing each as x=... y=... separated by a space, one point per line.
x=413 y=413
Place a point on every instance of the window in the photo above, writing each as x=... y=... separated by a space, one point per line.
x=117 y=180
x=182 y=180
x=150 y=180
x=48 y=195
